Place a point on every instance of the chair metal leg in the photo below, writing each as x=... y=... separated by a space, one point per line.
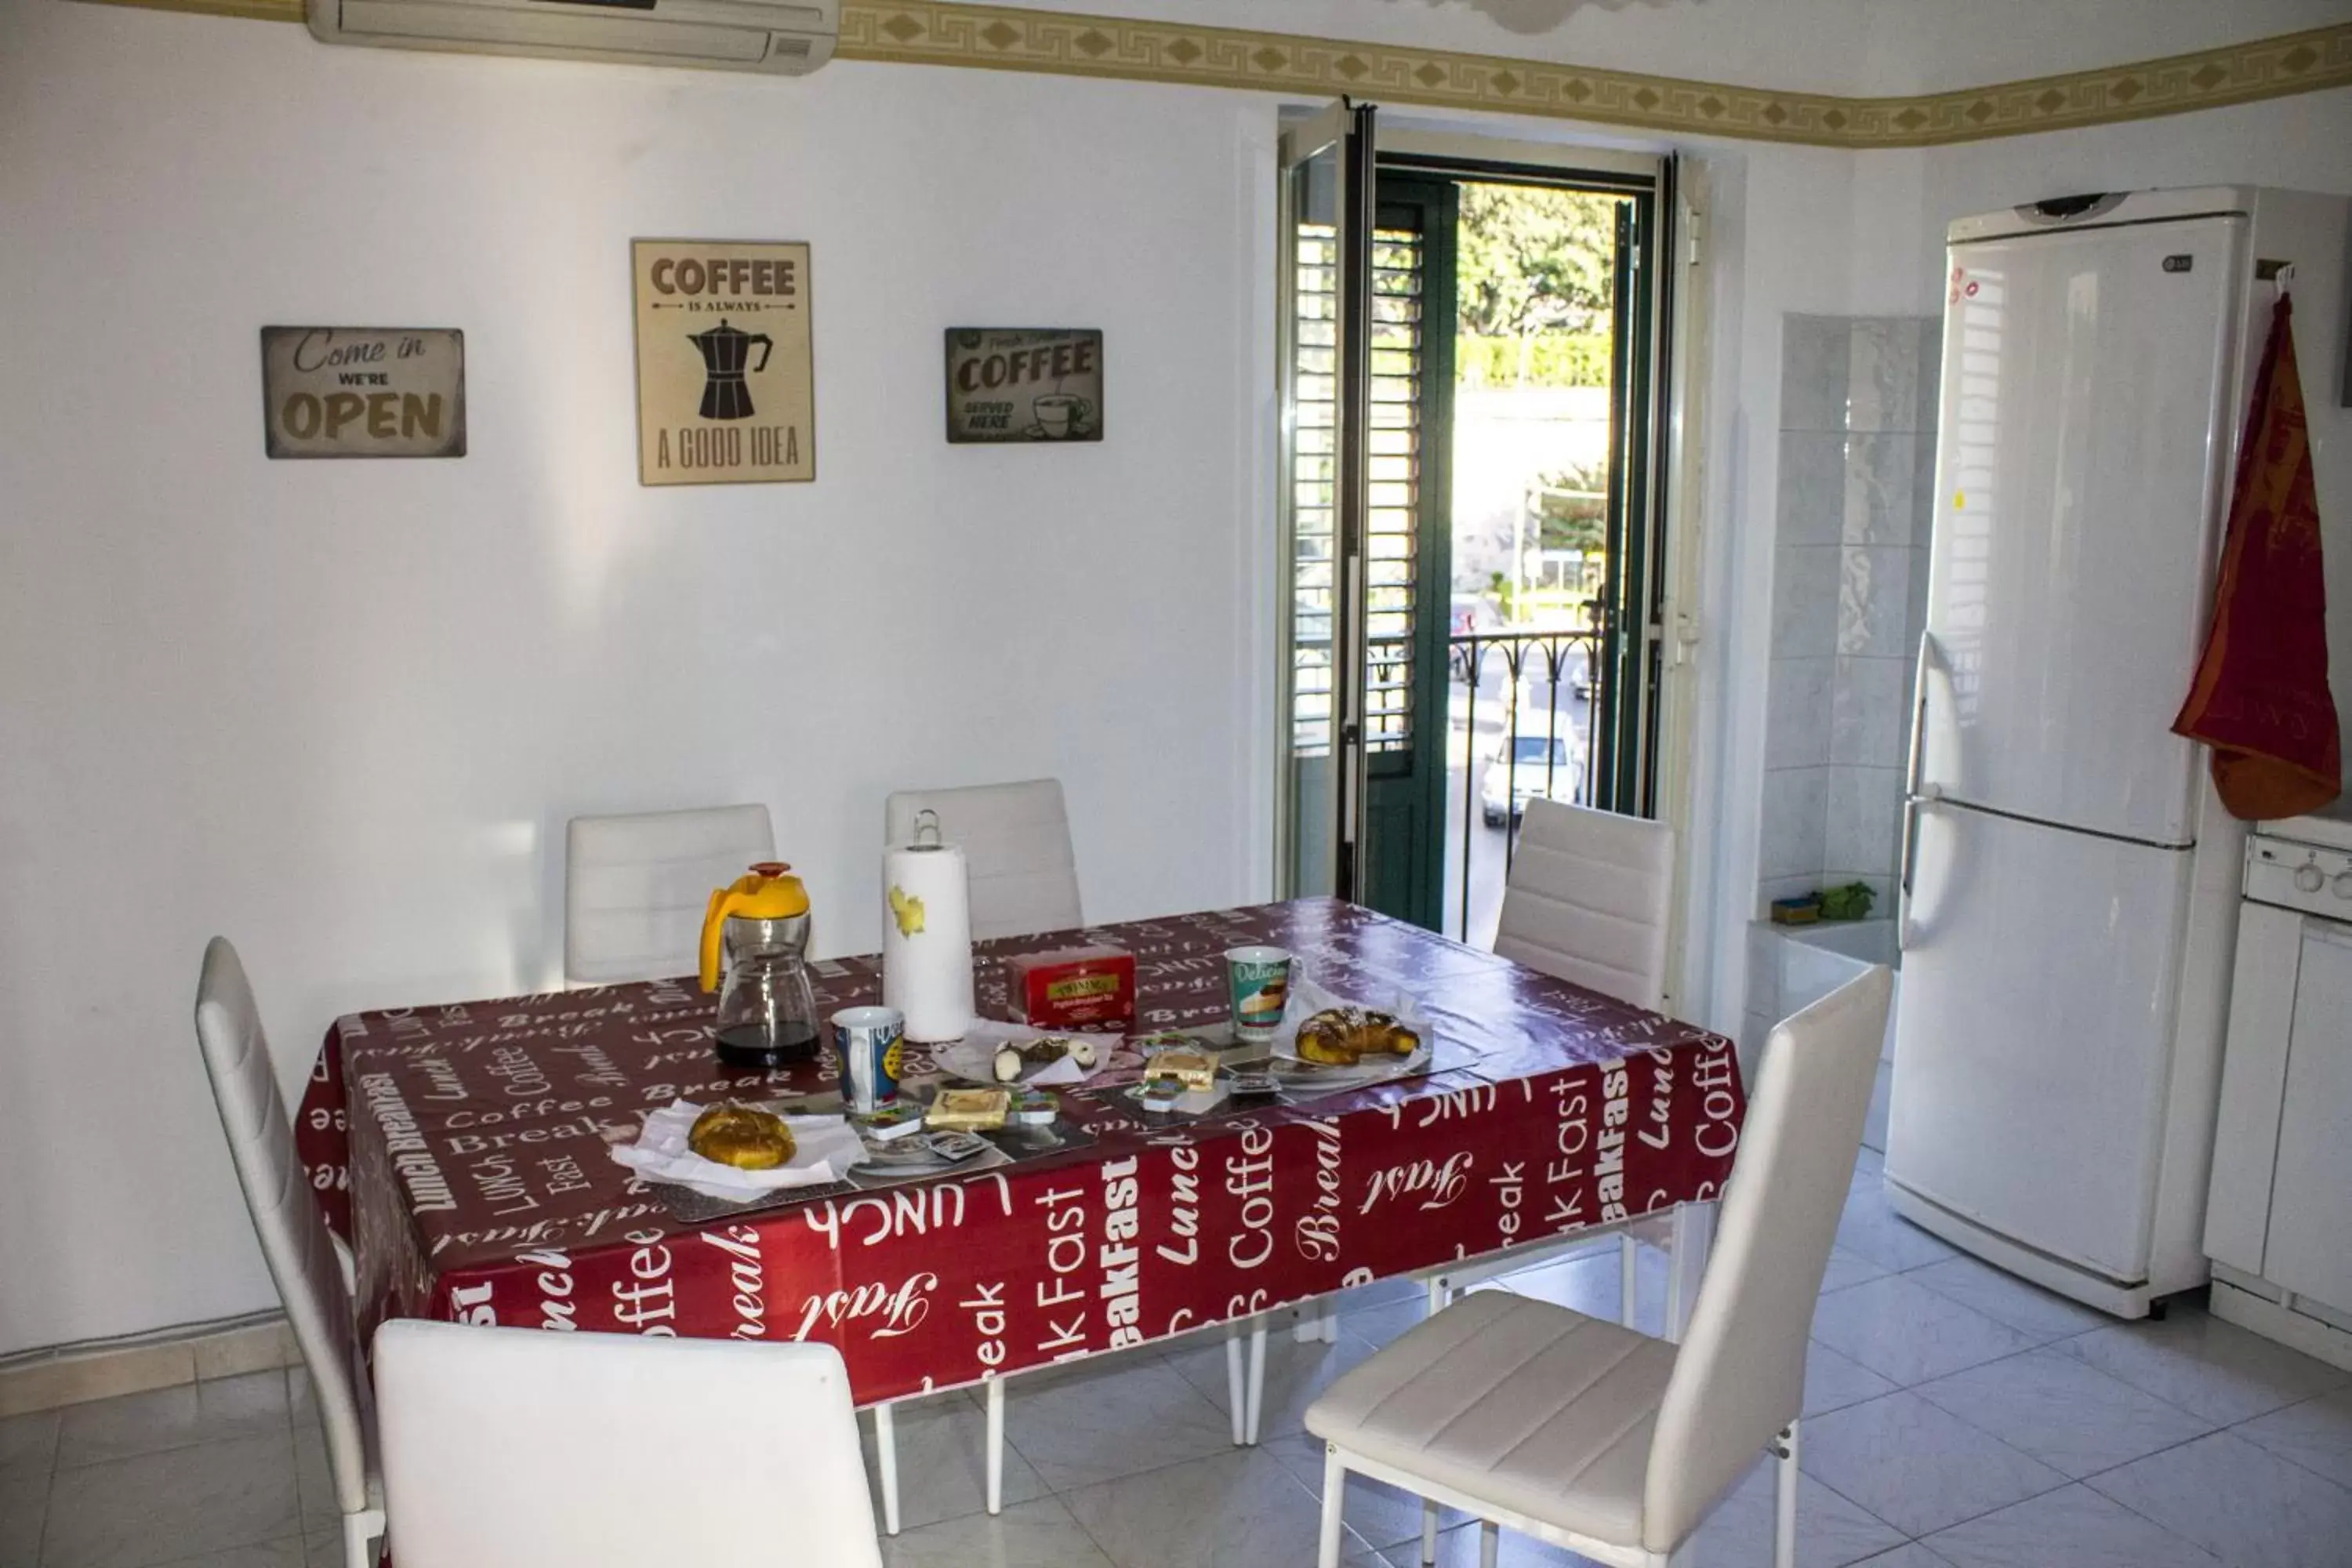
x=1490 y=1542
x=1784 y=1507
x=1629 y=1278
x=1256 y=1400
x=1236 y=1385
x=1428 y=1532
x=1693 y=1231
x=996 y=1445
x=886 y=1451
x=1334 y=1499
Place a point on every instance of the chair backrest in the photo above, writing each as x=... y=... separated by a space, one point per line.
x=634 y=887
x=1739 y=1376
x=1587 y=900
x=519 y=1448
x=1015 y=839
x=286 y=1218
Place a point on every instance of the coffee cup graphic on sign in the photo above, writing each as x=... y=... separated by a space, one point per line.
x=726 y=395
x=1061 y=415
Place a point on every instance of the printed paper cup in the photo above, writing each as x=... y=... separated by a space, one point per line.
x=1257 y=984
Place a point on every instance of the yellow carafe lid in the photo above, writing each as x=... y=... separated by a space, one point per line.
x=768 y=892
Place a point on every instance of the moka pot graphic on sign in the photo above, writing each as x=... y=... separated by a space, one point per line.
x=725 y=393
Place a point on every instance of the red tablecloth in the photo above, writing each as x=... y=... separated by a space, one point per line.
x=479 y=1189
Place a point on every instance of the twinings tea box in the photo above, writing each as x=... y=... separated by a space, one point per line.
x=1072 y=988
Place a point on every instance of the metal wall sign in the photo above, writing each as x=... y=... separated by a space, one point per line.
x=364 y=391
x=1024 y=383
x=725 y=391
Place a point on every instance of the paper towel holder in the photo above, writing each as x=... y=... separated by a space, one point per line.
x=927 y=822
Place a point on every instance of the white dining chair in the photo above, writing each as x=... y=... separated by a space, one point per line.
x=635 y=887
x=520 y=1448
x=295 y=1243
x=1015 y=839
x=1587 y=900
x=1589 y=1435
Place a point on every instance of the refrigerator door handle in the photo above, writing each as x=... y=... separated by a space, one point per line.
x=1916 y=790
x=1931 y=661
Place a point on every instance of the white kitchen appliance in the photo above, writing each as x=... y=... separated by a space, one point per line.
x=778 y=39
x=2279 y=1226
x=2069 y=879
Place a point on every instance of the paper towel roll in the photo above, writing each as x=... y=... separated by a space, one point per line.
x=927 y=940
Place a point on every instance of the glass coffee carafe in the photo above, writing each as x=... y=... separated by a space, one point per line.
x=755 y=955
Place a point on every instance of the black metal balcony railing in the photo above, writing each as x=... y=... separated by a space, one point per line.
x=1564 y=666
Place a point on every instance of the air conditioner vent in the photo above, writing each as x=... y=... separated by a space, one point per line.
x=787 y=39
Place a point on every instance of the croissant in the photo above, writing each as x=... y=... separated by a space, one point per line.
x=741 y=1136
x=1341 y=1036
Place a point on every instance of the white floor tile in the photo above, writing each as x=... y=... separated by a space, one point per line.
x=1918 y=1467
x=1910 y=1555
x=1037 y=1535
x=2072 y=1526
x=2037 y=1313
x=286 y=1552
x=1871 y=1228
x=1832 y=1380
x=2063 y=1411
x=1296 y=1376
x=1909 y=1333
x=24 y=1509
x=942 y=1445
x=2245 y=1505
x=1234 y=1508
x=1832 y=1531
x=220 y=1410
x=130 y=1513
x=1458 y=1548
x=1874 y=1125
x=1383 y=1514
x=1847 y=1268
x=2315 y=1433
x=2202 y=1365
x=1088 y=1426
x=29 y=1442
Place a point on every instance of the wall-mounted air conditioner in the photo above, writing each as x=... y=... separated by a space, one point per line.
x=724 y=35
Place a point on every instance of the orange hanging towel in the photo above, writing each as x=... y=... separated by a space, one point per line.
x=2261 y=698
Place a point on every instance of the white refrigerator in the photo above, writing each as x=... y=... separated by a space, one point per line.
x=2069 y=881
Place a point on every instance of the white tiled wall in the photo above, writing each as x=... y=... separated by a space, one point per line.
x=1849 y=595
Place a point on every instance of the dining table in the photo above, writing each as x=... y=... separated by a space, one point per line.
x=463 y=1149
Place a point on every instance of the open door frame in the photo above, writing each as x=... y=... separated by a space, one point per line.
x=1325 y=167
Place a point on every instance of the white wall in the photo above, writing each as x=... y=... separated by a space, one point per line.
x=341 y=712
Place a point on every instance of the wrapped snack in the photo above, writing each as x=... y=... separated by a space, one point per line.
x=1034 y=1108
x=899 y=1119
x=969 y=1110
x=1189 y=1070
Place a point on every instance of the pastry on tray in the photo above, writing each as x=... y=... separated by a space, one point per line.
x=743 y=1136
x=1344 y=1036
x=1012 y=1061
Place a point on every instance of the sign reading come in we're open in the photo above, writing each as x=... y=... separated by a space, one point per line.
x=364 y=391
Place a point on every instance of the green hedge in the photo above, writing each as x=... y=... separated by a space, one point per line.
x=1553 y=359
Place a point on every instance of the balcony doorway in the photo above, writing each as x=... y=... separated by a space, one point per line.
x=1509 y=613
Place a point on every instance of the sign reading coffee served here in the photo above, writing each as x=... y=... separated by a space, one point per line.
x=1024 y=383
x=364 y=391
x=725 y=391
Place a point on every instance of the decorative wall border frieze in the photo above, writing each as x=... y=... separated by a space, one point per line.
x=999 y=37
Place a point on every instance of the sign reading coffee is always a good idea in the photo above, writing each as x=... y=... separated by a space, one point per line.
x=1024 y=383
x=364 y=391
x=725 y=391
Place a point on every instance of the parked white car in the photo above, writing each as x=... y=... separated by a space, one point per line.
x=1507 y=789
